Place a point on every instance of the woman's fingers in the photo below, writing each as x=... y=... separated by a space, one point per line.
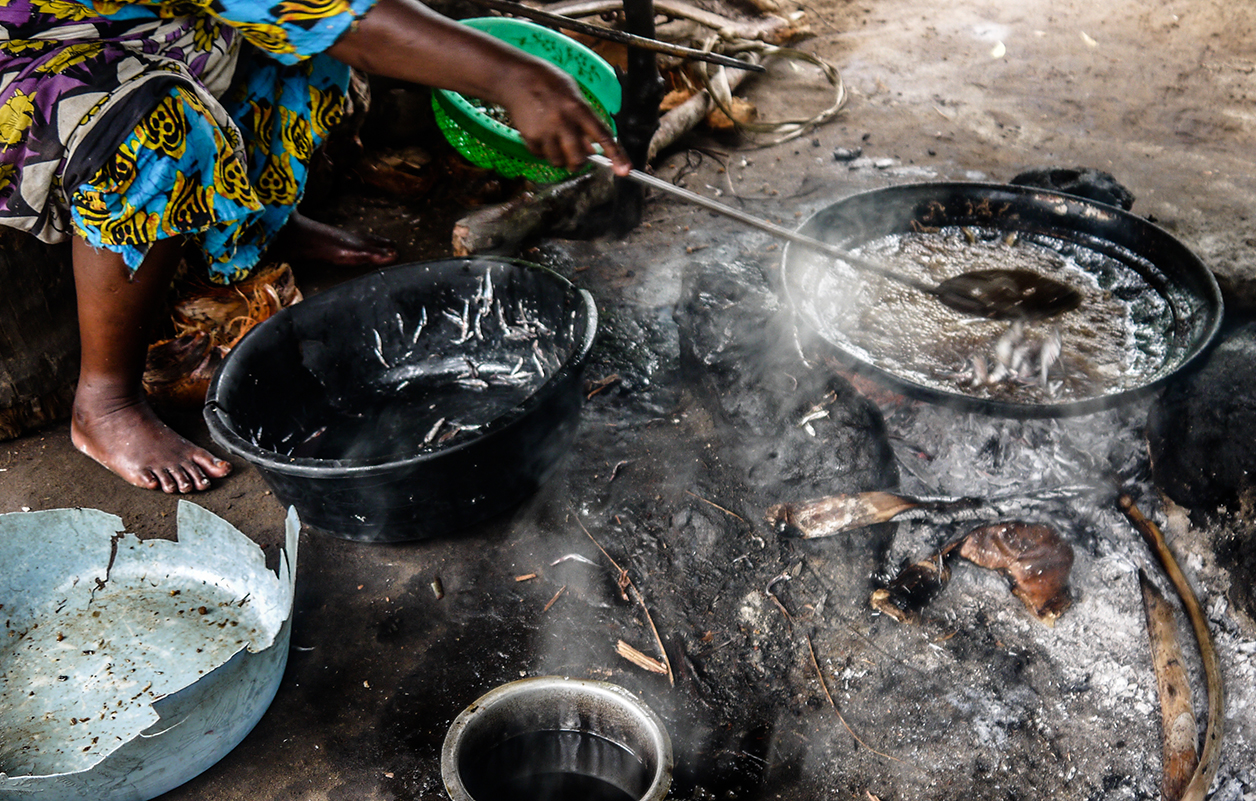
x=557 y=123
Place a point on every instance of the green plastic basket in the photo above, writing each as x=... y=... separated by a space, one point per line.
x=491 y=144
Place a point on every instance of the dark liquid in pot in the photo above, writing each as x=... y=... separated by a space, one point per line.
x=384 y=424
x=555 y=766
x=555 y=787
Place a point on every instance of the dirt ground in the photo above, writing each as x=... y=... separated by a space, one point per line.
x=1162 y=96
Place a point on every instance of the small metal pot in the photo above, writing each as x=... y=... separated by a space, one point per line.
x=556 y=735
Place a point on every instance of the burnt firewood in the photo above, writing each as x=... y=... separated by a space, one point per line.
x=835 y=514
x=825 y=517
x=1179 y=730
x=1034 y=557
x=912 y=589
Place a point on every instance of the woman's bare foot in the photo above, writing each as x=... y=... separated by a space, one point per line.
x=303 y=239
x=122 y=432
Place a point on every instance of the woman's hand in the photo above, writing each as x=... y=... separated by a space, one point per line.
x=407 y=40
x=551 y=114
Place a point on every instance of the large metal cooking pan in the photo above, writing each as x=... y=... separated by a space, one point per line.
x=1154 y=299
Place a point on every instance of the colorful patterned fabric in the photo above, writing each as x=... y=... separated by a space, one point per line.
x=131 y=122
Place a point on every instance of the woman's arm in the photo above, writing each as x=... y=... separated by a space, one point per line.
x=405 y=39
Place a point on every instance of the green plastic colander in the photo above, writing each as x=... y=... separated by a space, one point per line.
x=489 y=143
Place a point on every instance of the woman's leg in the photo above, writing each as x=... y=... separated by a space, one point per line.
x=303 y=239
x=112 y=421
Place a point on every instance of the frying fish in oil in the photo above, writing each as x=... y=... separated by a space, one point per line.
x=1080 y=354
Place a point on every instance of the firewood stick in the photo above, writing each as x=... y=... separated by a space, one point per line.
x=1177 y=713
x=1210 y=756
x=825 y=517
x=610 y=34
x=685 y=117
x=639 y=659
x=501 y=227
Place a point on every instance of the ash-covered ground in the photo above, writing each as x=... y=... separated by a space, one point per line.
x=678 y=459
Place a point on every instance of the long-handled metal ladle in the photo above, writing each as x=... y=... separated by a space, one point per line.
x=996 y=294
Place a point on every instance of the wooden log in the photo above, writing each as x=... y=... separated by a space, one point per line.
x=555 y=208
x=685 y=117
x=558 y=207
x=39 y=342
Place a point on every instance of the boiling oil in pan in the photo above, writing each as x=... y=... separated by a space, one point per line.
x=1107 y=345
x=555 y=766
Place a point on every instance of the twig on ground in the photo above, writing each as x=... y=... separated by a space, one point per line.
x=553 y=600
x=789 y=620
x=825 y=687
x=625 y=584
x=717 y=506
x=601 y=384
x=639 y=659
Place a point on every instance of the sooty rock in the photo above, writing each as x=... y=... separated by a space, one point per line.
x=1202 y=431
x=801 y=430
x=1202 y=434
x=1080 y=181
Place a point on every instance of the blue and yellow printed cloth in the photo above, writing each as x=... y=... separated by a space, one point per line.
x=129 y=122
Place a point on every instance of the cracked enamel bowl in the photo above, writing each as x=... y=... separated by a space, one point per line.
x=129 y=666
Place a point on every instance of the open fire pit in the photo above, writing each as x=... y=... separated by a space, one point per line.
x=650 y=562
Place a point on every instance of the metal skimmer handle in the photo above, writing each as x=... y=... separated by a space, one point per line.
x=763 y=225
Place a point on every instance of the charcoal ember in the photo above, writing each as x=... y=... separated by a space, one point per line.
x=801 y=431
x=1080 y=181
x=914 y=588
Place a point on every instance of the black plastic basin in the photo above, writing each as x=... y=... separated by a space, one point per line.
x=412 y=402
